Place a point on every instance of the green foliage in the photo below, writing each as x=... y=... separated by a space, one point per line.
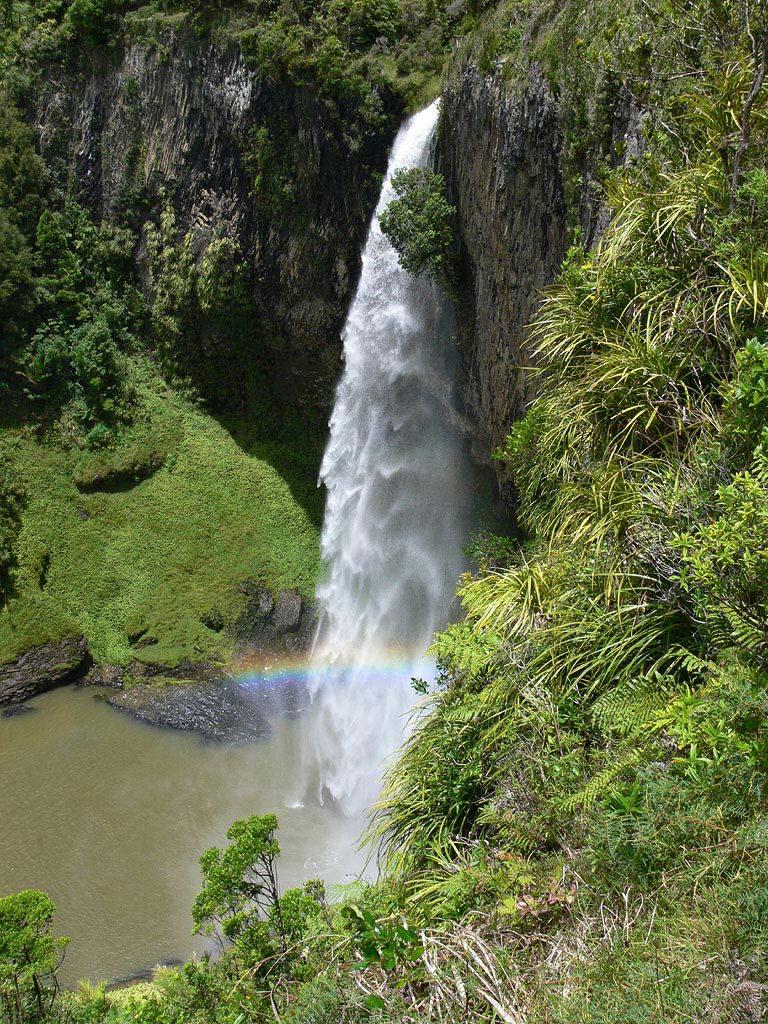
x=93 y=22
x=88 y=314
x=387 y=944
x=746 y=409
x=368 y=21
x=112 y=460
x=11 y=499
x=23 y=183
x=272 y=181
x=107 y=452
x=725 y=563
x=240 y=882
x=300 y=909
x=29 y=955
x=367 y=59
x=16 y=276
x=321 y=1001
x=198 y=306
x=212 y=505
x=490 y=550
x=23 y=175
x=418 y=223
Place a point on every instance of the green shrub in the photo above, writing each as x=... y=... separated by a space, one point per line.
x=29 y=955
x=23 y=185
x=745 y=415
x=200 y=307
x=82 y=362
x=11 y=500
x=384 y=943
x=725 y=563
x=93 y=22
x=273 y=184
x=368 y=20
x=320 y=1001
x=16 y=278
x=89 y=314
x=418 y=223
x=239 y=883
x=23 y=174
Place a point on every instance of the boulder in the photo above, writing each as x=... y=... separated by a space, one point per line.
x=43 y=668
x=273 y=626
x=288 y=611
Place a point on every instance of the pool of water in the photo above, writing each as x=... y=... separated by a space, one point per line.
x=110 y=815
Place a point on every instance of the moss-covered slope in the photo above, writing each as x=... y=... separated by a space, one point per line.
x=142 y=547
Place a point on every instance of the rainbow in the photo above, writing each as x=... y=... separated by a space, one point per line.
x=265 y=672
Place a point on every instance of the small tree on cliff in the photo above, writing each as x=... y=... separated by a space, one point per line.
x=29 y=955
x=418 y=223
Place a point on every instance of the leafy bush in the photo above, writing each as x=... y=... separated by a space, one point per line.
x=23 y=183
x=11 y=500
x=387 y=944
x=321 y=1001
x=93 y=22
x=418 y=223
x=23 y=175
x=89 y=314
x=16 y=277
x=368 y=59
x=725 y=563
x=746 y=409
x=272 y=180
x=29 y=955
x=368 y=21
x=199 y=306
x=239 y=882
x=81 y=362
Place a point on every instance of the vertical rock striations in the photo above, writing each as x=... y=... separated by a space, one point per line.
x=500 y=153
x=264 y=163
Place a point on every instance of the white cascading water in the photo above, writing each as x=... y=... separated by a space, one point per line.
x=396 y=519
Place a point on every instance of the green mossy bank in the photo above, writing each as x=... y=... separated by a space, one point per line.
x=142 y=547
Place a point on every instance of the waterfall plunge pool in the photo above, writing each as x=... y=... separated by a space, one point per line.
x=110 y=815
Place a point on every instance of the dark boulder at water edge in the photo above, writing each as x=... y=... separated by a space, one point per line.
x=43 y=668
x=270 y=625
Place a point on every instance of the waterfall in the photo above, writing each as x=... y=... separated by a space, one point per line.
x=398 y=483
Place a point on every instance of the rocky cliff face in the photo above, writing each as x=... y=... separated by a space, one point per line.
x=262 y=163
x=501 y=150
x=499 y=153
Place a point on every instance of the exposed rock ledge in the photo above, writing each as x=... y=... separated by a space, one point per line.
x=43 y=668
x=268 y=626
x=216 y=710
x=499 y=150
x=178 y=123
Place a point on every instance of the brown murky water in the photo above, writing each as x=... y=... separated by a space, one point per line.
x=110 y=815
